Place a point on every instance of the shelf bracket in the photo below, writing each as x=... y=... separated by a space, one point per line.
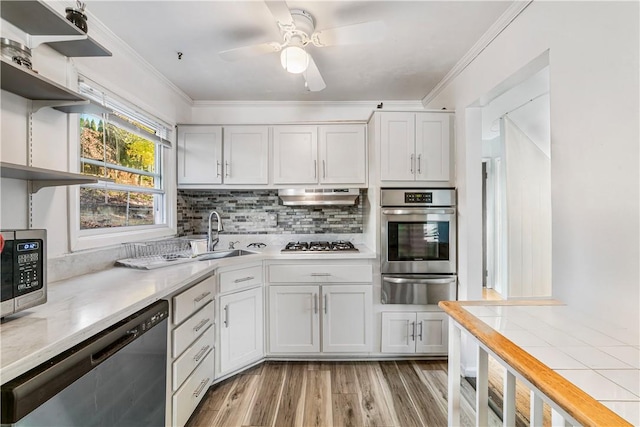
x=33 y=186
x=35 y=41
x=38 y=104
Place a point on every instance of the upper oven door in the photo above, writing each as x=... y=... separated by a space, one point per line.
x=418 y=240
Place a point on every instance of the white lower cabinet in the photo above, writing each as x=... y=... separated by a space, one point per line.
x=414 y=333
x=191 y=350
x=241 y=334
x=186 y=399
x=299 y=316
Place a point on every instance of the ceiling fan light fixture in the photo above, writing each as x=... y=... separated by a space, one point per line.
x=294 y=59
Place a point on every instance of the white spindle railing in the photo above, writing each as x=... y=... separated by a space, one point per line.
x=570 y=406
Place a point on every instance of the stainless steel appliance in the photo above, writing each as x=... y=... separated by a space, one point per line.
x=319 y=196
x=337 y=246
x=116 y=378
x=23 y=274
x=418 y=231
x=418 y=246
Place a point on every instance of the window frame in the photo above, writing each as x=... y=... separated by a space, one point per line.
x=110 y=236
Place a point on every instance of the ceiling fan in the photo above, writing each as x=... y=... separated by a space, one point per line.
x=297 y=28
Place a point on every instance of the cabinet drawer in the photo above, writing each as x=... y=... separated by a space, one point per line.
x=239 y=279
x=325 y=273
x=192 y=391
x=185 y=364
x=191 y=300
x=185 y=334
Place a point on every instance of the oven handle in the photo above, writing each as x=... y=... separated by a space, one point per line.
x=434 y=281
x=413 y=211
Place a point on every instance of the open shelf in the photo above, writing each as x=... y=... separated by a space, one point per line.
x=29 y=84
x=41 y=178
x=39 y=19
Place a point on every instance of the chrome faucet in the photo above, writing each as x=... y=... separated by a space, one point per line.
x=211 y=243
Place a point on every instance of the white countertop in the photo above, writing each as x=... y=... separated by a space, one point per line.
x=82 y=306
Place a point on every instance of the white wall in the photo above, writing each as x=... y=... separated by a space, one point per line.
x=55 y=134
x=593 y=71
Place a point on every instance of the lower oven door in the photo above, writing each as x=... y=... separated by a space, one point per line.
x=418 y=289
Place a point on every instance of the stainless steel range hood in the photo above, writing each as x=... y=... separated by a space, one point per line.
x=319 y=196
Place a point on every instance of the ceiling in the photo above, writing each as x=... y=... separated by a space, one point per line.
x=423 y=40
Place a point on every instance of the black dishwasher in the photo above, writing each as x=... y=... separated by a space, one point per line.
x=115 y=378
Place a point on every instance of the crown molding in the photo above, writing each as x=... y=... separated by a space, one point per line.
x=412 y=104
x=509 y=15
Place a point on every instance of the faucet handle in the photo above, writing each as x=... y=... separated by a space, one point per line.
x=232 y=245
x=256 y=245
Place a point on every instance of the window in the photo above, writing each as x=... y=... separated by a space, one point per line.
x=124 y=149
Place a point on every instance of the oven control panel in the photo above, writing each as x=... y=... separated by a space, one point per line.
x=415 y=197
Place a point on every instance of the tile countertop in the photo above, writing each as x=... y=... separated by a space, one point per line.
x=82 y=306
x=599 y=357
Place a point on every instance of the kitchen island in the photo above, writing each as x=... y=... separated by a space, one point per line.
x=586 y=368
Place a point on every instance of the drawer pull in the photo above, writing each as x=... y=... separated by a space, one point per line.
x=413 y=331
x=201 y=353
x=201 y=324
x=201 y=297
x=420 y=334
x=320 y=274
x=201 y=387
x=226 y=316
x=244 y=279
x=326 y=303
x=315 y=303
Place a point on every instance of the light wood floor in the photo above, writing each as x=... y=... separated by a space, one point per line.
x=407 y=393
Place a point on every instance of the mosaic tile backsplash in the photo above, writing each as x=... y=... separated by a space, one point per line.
x=262 y=212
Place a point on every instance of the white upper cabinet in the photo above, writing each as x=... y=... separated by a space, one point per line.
x=414 y=146
x=343 y=154
x=246 y=155
x=326 y=154
x=213 y=155
x=199 y=155
x=295 y=155
x=432 y=147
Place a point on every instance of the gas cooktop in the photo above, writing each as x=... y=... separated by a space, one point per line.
x=338 y=246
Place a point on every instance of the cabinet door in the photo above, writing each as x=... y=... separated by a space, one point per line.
x=398 y=332
x=346 y=325
x=294 y=313
x=295 y=155
x=241 y=339
x=246 y=155
x=432 y=333
x=343 y=154
x=199 y=155
x=432 y=147
x=397 y=146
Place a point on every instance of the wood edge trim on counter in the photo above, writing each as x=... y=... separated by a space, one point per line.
x=581 y=406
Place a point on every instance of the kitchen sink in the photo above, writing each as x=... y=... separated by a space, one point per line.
x=224 y=254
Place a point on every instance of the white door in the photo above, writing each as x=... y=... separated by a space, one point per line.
x=398 y=332
x=199 y=155
x=294 y=313
x=432 y=333
x=295 y=155
x=343 y=154
x=246 y=155
x=432 y=147
x=241 y=339
x=346 y=326
x=397 y=146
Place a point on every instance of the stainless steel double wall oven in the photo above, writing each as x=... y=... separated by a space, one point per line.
x=418 y=241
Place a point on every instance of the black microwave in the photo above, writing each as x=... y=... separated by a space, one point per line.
x=23 y=274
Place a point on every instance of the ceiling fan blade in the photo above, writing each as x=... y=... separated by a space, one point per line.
x=280 y=11
x=366 y=32
x=249 y=51
x=313 y=79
